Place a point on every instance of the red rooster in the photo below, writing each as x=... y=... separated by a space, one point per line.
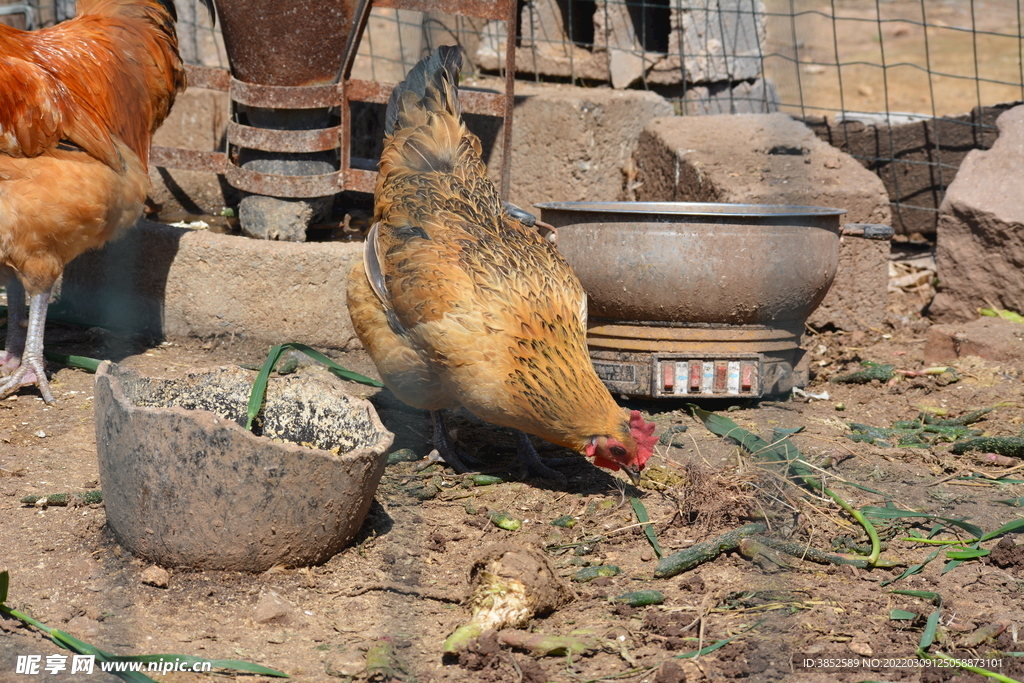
x=79 y=103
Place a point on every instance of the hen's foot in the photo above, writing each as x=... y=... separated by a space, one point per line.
x=445 y=447
x=530 y=464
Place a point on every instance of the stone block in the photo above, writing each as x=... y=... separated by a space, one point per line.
x=773 y=159
x=980 y=246
x=573 y=144
x=163 y=281
x=994 y=339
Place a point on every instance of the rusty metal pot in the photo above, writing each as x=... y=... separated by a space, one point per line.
x=730 y=264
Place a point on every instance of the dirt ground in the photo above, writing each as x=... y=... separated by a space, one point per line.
x=935 y=74
x=401 y=582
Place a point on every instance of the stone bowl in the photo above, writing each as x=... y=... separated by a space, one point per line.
x=185 y=485
x=686 y=262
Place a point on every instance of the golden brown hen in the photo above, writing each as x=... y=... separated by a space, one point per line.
x=459 y=304
x=79 y=103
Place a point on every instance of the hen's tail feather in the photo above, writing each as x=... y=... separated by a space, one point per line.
x=432 y=83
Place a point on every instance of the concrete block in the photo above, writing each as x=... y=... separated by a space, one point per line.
x=994 y=339
x=916 y=157
x=163 y=281
x=574 y=144
x=980 y=247
x=773 y=159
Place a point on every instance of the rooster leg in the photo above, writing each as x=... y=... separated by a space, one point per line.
x=456 y=459
x=530 y=464
x=31 y=369
x=10 y=358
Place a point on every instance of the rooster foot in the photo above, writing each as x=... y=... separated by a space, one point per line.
x=530 y=464
x=9 y=362
x=27 y=374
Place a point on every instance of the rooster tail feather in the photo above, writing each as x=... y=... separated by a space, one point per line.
x=432 y=84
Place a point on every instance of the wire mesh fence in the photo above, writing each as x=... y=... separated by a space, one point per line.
x=907 y=87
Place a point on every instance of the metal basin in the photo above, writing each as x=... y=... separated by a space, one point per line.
x=730 y=264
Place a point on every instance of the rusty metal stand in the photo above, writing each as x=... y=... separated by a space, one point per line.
x=340 y=94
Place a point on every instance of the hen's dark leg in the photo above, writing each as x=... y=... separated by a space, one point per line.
x=530 y=464
x=445 y=447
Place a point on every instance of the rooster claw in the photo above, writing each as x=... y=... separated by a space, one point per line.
x=25 y=376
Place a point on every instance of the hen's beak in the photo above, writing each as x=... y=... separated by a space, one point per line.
x=633 y=472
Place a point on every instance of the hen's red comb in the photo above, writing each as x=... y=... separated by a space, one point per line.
x=643 y=432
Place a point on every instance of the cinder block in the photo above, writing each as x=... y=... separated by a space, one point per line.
x=164 y=281
x=980 y=247
x=992 y=338
x=574 y=144
x=773 y=159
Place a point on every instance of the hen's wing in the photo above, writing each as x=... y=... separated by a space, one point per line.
x=489 y=305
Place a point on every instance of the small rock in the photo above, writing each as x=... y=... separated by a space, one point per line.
x=402 y=455
x=347 y=664
x=860 y=646
x=272 y=608
x=84 y=627
x=1006 y=554
x=156 y=576
x=271 y=218
x=994 y=339
x=670 y=672
x=646 y=555
x=670 y=432
x=41 y=434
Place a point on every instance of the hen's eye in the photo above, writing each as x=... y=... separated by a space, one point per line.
x=618 y=451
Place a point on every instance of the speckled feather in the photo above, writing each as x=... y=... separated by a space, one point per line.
x=484 y=313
